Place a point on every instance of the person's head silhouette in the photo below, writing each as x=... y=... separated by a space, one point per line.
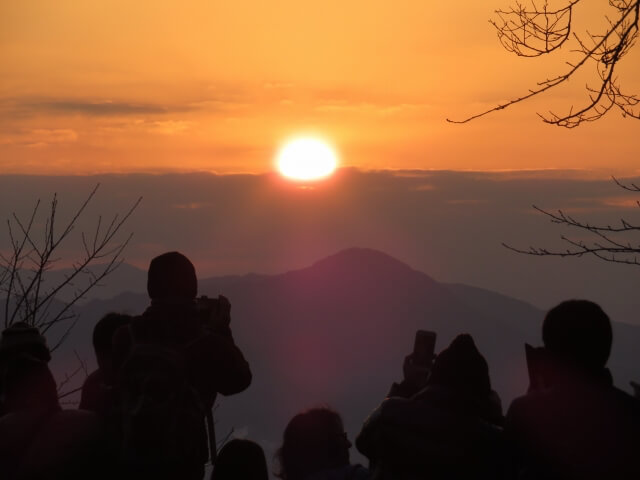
x=23 y=339
x=172 y=276
x=578 y=332
x=314 y=440
x=103 y=334
x=240 y=458
x=28 y=383
x=462 y=368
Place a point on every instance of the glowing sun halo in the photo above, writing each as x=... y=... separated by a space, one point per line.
x=306 y=159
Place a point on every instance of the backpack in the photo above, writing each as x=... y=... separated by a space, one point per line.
x=162 y=414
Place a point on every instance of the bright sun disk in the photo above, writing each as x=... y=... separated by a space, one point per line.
x=306 y=159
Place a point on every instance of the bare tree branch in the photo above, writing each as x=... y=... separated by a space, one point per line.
x=536 y=31
x=23 y=269
x=69 y=377
x=606 y=244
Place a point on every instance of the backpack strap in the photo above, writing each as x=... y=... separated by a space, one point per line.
x=211 y=436
x=209 y=422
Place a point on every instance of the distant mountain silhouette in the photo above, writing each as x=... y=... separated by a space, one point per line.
x=337 y=332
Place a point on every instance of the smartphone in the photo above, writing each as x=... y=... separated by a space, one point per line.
x=424 y=347
x=536 y=366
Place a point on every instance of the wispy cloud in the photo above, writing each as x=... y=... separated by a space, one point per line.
x=30 y=106
x=91 y=107
x=630 y=201
x=101 y=108
x=39 y=137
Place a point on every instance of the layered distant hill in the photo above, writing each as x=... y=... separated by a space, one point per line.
x=337 y=332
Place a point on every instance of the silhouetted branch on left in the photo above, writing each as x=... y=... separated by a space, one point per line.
x=69 y=377
x=606 y=242
x=32 y=254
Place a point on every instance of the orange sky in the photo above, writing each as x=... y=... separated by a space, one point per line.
x=115 y=86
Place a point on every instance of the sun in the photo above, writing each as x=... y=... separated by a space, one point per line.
x=306 y=158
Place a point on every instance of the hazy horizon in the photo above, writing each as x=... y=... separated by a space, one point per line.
x=449 y=225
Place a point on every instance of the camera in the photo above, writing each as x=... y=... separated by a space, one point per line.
x=213 y=313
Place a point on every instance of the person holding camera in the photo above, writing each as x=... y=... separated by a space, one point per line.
x=171 y=362
x=573 y=423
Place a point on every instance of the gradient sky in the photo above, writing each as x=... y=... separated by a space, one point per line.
x=117 y=86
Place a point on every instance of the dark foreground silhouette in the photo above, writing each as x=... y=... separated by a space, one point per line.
x=98 y=392
x=146 y=411
x=315 y=447
x=574 y=423
x=240 y=459
x=38 y=439
x=448 y=428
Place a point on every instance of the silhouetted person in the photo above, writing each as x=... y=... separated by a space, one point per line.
x=21 y=338
x=240 y=460
x=17 y=341
x=445 y=431
x=315 y=447
x=178 y=349
x=39 y=440
x=97 y=390
x=575 y=424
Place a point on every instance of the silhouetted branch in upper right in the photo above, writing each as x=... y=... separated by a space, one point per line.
x=539 y=30
x=605 y=244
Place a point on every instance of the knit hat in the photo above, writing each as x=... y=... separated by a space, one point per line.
x=462 y=368
x=172 y=275
x=23 y=338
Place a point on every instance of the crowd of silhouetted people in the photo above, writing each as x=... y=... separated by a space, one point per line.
x=146 y=412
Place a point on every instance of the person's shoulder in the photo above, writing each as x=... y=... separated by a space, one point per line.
x=522 y=402
x=72 y=426
x=625 y=405
x=534 y=398
x=524 y=408
x=347 y=472
x=358 y=472
x=20 y=426
x=391 y=406
x=625 y=398
x=91 y=386
x=94 y=378
x=18 y=421
x=138 y=325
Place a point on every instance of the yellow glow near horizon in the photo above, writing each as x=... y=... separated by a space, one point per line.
x=306 y=158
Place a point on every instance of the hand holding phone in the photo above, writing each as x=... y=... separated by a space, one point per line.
x=417 y=365
x=424 y=347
